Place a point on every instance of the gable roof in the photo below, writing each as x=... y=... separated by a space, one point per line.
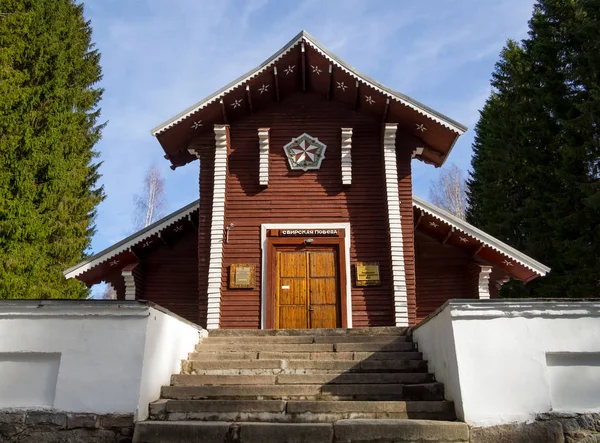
x=134 y=239
x=173 y=136
x=497 y=249
x=304 y=36
x=484 y=238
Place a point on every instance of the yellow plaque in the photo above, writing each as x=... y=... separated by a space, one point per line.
x=367 y=274
x=242 y=276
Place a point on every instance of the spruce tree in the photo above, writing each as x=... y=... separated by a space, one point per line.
x=535 y=164
x=49 y=70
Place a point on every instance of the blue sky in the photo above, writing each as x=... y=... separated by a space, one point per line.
x=161 y=56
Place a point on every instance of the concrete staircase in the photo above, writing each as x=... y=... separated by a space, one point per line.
x=327 y=385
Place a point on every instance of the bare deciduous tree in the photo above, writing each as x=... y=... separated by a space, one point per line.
x=109 y=293
x=150 y=206
x=449 y=192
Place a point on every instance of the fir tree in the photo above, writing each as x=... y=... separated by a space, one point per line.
x=48 y=128
x=535 y=165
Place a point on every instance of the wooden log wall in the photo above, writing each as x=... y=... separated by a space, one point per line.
x=443 y=272
x=307 y=197
x=171 y=277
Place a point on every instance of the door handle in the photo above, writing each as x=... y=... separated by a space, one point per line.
x=311 y=309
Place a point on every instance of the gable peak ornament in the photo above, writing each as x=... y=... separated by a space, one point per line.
x=305 y=153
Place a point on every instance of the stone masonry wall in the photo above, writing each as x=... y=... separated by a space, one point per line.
x=548 y=428
x=58 y=427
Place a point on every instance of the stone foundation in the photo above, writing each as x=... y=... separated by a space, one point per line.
x=548 y=428
x=64 y=427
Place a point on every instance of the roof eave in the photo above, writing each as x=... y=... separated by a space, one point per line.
x=477 y=233
x=128 y=242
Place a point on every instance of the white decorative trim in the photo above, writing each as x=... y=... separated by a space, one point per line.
x=395 y=226
x=406 y=101
x=346 y=156
x=484 y=281
x=112 y=251
x=213 y=311
x=195 y=153
x=129 y=284
x=481 y=236
x=304 y=37
x=417 y=151
x=263 y=150
x=221 y=93
x=263 y=243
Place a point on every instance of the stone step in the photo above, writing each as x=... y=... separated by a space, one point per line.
x=213 y=432
x=301 y=339
x=281 y=411
x=269 y=355
x=387 y=330
x=422 y=392
x=345 y=378
x=374 y=347
x=273 y=367
x=261 y=347
x=400 y=431
x=298 y=379
x=299 y=347
x=341 y=431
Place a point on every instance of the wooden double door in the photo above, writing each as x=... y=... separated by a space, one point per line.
x=307 y=287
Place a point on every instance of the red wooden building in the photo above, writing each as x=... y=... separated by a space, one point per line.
x=306 y=216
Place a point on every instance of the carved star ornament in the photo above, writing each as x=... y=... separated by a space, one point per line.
x=305 y=153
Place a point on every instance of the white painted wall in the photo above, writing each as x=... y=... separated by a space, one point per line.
x=168 y=342
x=436 y=342
x=503 y=367
x=574 y=380
x=97 y=349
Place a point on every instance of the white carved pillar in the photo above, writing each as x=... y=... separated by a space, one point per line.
x=346 y=156
x=395 y=225
x=484 y=281
x=217 y=227
x=263 y=152
x=132 y=277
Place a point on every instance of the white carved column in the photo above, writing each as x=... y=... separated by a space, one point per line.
x=484 y=281
x=217 y=227
x=346 y=156
x=263 y=152
x=395 y=225
x=132 y=277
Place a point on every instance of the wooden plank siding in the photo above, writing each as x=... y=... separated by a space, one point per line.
x=443 y=272
x=170 y=275
x=306 y=197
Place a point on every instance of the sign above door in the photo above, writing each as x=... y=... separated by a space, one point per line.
x=304 y=232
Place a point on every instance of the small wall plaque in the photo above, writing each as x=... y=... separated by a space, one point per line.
x=242 y=276
x=367 y=274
